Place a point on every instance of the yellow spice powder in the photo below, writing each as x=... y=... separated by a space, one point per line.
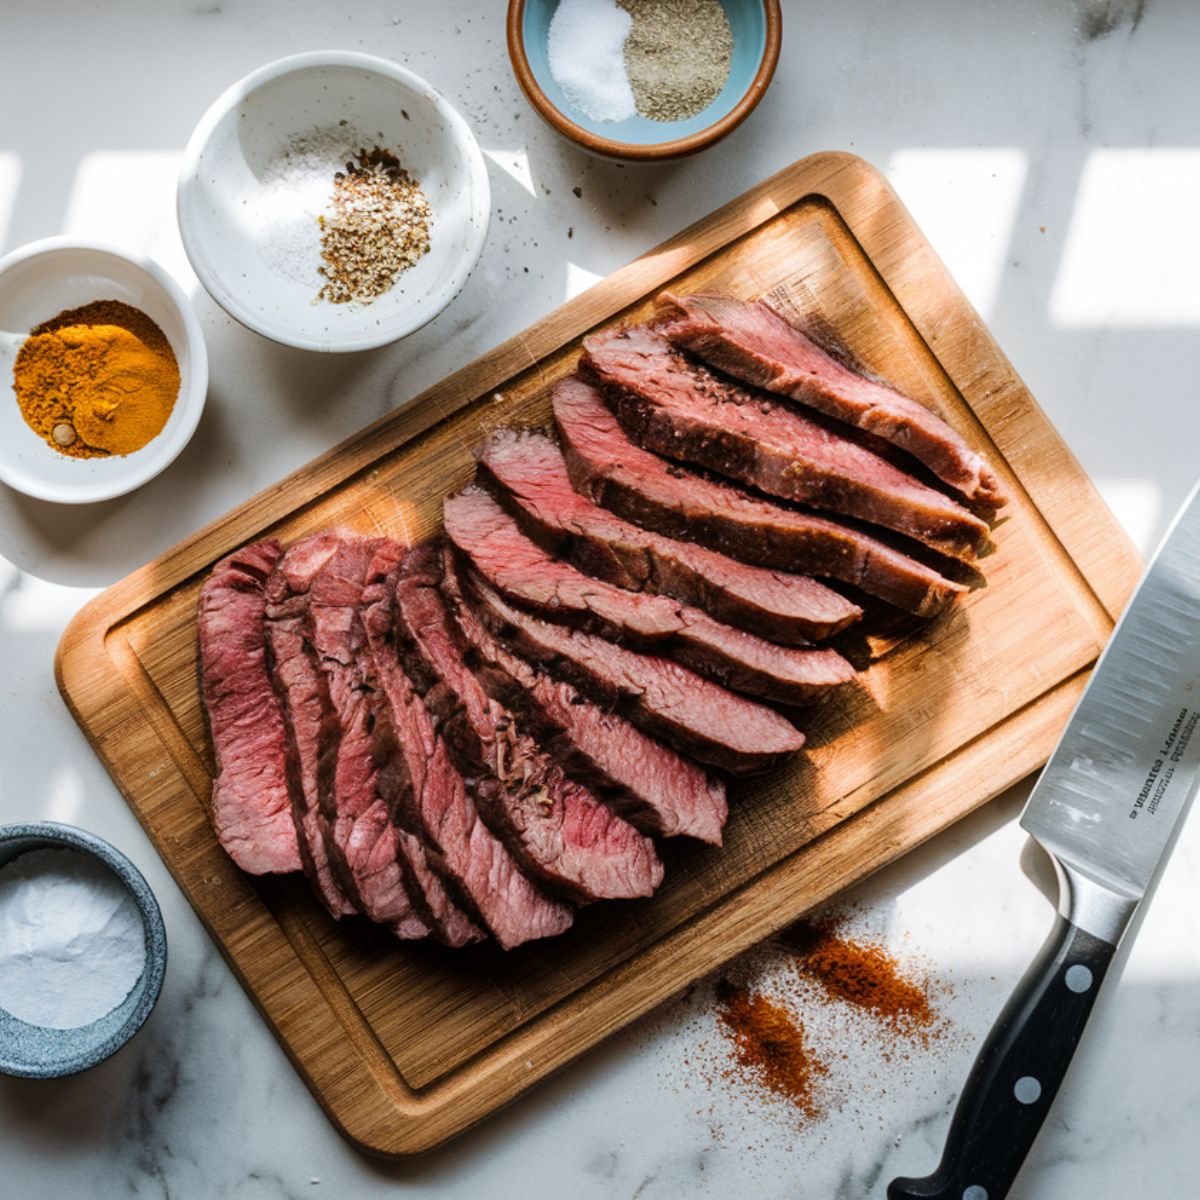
x=97 y=381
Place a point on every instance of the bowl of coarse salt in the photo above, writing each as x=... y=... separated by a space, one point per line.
x=333 y=201
x=644 y=80
x=83 y=950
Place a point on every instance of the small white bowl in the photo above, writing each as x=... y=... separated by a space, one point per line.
x=221 y=196
x=38 y=282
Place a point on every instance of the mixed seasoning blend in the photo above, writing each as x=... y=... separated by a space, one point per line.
x=345 y=222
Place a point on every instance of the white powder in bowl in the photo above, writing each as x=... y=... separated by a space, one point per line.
x=297 y=190
x=72 y=942
x=586 y=45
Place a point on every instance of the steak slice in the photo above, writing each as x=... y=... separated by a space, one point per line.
x=656 y=789
x=679 y=408
x=701 y=718
x=750 y=340
x=251 y=807
x=526 y=574
x=437 y=807
x=641 y=487
x=432 y=898
x=309 y=716
x=528 y=469
x=380 y=863
x=556 y=828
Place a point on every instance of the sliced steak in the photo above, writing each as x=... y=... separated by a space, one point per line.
x=436 y=805
x=750 y=340
x=251 y=803
x=309 y=716
x=674 y=406
x=557 y=829
x=701 y=718
x=432 y=896
x=528 y=470
x=659 y=791
x=380 y=863
x=525 y=573
x=641 y=487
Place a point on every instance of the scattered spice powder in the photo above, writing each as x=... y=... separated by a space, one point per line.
x=770 y=1045
x=862 y=974
x=823 y=1019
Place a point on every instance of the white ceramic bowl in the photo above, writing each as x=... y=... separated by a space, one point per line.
x=222 y=195
x=38 y=282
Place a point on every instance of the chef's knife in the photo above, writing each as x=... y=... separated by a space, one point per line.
x=1104 y=808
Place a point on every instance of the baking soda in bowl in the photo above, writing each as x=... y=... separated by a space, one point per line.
x=72 y=941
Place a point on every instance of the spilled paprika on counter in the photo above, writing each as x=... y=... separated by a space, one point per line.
x=862 y=974
x=770 y=1045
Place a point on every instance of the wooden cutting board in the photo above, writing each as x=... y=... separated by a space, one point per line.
x=406 y=1045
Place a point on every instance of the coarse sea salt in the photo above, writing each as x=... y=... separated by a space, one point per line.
x=586 y=47
x=72 y=942
x=296 y=190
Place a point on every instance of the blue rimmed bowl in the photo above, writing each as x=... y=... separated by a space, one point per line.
x=757 y=28
x=34 y=1052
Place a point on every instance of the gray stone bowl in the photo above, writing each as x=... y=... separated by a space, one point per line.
x=32 y=1052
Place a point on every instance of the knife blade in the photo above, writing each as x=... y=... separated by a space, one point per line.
x=1105 y=808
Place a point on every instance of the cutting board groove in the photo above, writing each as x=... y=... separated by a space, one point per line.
x=405 y=1046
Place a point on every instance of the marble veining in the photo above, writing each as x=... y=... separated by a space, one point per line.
x=203 y=1104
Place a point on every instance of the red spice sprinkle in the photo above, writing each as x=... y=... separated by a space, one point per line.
x=862 y=974
x=770 y=1046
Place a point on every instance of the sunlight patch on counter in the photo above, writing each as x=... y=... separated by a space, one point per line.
x=65 y=798
x=10 y=183
x=579 y=279
x=127 y=197
x=32 y=605
x=1133 y=243
x=515 y=164
x=965 y=200
x=1138 y=505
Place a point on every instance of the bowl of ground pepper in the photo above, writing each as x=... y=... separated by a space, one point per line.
x=644 y=80
x=103 y=370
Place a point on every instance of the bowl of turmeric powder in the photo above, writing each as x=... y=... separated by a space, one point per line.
x=103 y=370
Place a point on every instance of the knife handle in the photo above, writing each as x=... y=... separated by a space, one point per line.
x=1017 y=1072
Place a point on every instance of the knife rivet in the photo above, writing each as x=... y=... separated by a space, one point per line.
x=975 y=1192
x=1078 y=978
x=1027 y=1089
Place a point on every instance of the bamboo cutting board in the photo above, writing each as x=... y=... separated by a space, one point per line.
x=406 y=1045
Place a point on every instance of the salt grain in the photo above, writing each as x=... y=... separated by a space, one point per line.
x=586 y=46
x=72 y=942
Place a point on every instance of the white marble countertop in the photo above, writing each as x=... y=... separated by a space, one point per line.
x=1052 y=154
